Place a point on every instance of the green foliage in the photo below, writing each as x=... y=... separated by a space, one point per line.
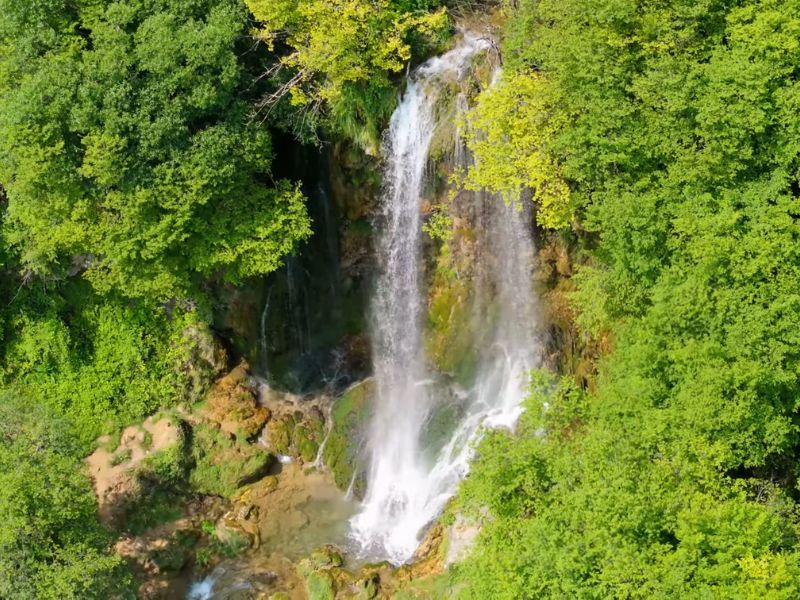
x=342 y=55
x=101 y=361
x=51 y=545
x=586 y=502
x=673 y=125
x=221 y=465
x=127 y=153
x=161 y=488
x=510 y=132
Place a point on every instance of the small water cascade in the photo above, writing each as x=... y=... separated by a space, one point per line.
x=301 y=321
x=408 y=484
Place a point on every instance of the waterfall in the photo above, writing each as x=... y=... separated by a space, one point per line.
x=408 y=486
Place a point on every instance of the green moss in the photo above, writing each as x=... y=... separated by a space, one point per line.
x=221 y=465
x=307 y=448
x=350 y=415
x=279 y=432
x=298 y=435
x=320 y=586
x=327 y=556
x=449 y=335
x=361 y=227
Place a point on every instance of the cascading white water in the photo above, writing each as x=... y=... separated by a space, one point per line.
x=407 y=487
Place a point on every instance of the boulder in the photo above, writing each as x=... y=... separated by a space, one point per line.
x=342 y=453
x=296 y=429
x=199 y=360
x=320 y=585
x=223 y=464
x=233 y=404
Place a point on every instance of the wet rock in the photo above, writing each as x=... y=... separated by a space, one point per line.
x=320 y=585
x=233 y=404
x=343 y=450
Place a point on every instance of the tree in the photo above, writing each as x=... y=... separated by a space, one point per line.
x=128 y=149
x=674 y=126
x=339 y=57
x=51 y=545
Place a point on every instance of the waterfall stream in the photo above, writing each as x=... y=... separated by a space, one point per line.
x=408 y=484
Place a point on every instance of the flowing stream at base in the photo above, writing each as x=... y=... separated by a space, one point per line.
x=411 y=477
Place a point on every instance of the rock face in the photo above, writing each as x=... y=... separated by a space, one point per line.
x=343 y=451
x=233 y=404
x=201 y=359
x=297 y=426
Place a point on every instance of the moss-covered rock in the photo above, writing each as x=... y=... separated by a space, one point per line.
x=233 y=404
x=343 y=452
x=279 y=434
x=222 y=465
x=172 y=556
x=198 y=359
x=327 y=556
x=232 y=537
x=297 y=433
x=320 y=585
x=449 y=335
x=367 y=588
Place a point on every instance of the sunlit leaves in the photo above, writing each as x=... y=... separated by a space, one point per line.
x=128 y=149
x=510 y=132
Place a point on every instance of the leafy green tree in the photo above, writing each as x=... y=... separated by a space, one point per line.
x=339 y=57
x=509 y=132
x=51 y=545
x=128 y=149
x=674 y=126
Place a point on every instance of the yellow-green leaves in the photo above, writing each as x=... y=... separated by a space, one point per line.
x=341 y=56
x=509 y=134
x=339 y=42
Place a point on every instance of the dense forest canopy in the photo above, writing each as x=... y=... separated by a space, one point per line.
x=674 y=125
x=136 y=156
x=658 y=140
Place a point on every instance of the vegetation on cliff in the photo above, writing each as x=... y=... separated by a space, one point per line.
x=137 y=172
x=139 y=169
x=673 y=126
